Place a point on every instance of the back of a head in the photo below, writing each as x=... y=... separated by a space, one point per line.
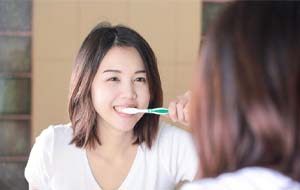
x=246 y=103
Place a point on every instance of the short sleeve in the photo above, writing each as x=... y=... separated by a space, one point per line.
x=38 y=168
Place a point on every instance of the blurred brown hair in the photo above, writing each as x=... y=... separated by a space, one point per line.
x=81 y=110
x=246 y=94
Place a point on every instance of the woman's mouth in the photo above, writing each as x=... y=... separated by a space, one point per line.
x=120 y=108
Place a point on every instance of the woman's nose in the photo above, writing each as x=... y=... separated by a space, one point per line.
x=128 y=90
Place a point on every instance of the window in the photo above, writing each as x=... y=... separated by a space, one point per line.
x=15 y=91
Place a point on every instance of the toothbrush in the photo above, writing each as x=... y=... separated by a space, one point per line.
x=158 y=111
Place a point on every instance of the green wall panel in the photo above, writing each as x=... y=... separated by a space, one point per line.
x=15 y=54
x=12 y=176
x=14 y=138
x=15 y=15
x=15 y=96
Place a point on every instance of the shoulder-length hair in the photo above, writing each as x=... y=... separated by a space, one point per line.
x=246 y=94
x=81 y=110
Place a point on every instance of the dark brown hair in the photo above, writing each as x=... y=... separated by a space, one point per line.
x=246 y=94
x=81 y=110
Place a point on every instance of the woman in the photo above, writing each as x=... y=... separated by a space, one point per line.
x=245 y=113
x=102 y=147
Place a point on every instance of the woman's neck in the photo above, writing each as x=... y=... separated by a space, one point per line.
x=114 y=143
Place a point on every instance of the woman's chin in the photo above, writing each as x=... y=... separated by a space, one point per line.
x=123 y=127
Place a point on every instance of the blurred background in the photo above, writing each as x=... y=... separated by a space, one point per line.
x=39 y=40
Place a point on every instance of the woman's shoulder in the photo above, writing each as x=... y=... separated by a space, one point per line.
x=172 y=138
x=55 y=143
x=61 y=132
x=169 y=132
x=250 y=178
x=54 y=137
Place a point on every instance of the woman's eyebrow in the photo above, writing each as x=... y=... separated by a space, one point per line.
x=140 y=71
x=118 y=71
x=112 y=70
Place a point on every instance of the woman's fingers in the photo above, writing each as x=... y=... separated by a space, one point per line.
x=173 y=111
x=179 y=109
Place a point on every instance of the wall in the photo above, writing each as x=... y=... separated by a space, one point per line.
x=172 y=27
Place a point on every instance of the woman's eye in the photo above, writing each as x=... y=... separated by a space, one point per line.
x=113 y=79
x=140 y=79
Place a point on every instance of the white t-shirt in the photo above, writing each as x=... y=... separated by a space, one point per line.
x=250 y=178
x=54 y=164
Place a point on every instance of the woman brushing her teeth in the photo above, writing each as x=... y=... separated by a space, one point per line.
x=103 y=147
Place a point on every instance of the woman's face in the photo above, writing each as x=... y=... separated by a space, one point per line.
x=120 y=82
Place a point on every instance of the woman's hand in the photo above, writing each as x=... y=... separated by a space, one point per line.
x=179 y=109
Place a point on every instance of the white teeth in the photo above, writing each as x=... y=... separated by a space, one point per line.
x=119 y=108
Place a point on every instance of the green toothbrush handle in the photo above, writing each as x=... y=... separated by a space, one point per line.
x=159 y=111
